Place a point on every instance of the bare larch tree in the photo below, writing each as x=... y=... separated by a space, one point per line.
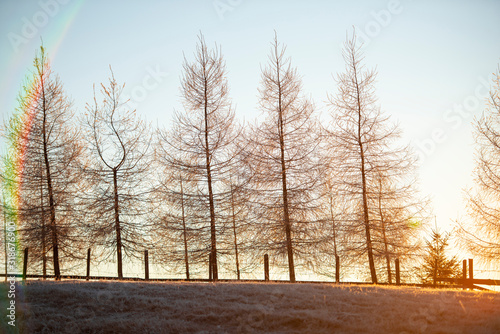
x=366 y=139
x=45 y=139
x=119 y=144
x=281 y=151
x=201 y=141
x=174 y=211
x=481 y=235
x=398 y=213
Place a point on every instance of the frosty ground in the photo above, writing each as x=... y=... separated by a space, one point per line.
x=184 y=307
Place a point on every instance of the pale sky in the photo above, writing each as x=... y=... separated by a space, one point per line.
x=434 y=60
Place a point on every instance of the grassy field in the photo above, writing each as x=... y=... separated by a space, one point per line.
x=182 y=307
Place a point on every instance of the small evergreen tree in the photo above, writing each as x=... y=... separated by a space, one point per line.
x=436 y=264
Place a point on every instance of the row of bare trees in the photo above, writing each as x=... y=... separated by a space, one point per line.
x=287 y=186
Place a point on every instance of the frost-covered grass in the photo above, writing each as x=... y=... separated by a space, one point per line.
x=182 y=307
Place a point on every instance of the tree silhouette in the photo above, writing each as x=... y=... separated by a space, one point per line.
x=436 y=263
x=177 y=230
x=481 y=236
x=201 y=141
x=364 y=141
x=282 y=152
x=398 y=215
x=46 y=146
x=119 y=144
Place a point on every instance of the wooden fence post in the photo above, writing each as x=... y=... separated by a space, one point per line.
x=464 y=274
x=210 y=266
x=25 y=265
x=88 y=264
x=266 y=267
x=398 y=276
x=337 y=269
x=471 y=273
x=146 y=265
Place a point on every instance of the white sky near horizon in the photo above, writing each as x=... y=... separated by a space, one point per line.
x=434 y=60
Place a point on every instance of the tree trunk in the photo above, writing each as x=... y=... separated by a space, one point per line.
x=363 y=184
x=55 y=245
x=387 y=256
x=186 y=259
x=44 y=251
x=386 y=246
x=286 y=215
x=334 y=230
x=117 y=224
x=213 y=236
x=367 y=223
x=384 y=236
x=234 y=230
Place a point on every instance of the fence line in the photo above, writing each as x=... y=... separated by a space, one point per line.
x=465 y=282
